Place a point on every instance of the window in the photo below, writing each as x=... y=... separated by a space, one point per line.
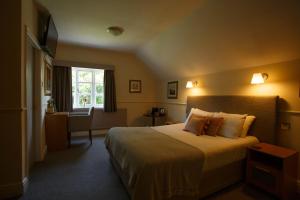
x=87 y=87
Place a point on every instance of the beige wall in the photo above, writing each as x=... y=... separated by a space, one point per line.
x=284 y=80
x=127 y=66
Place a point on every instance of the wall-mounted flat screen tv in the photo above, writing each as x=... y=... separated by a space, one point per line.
x=50 y=37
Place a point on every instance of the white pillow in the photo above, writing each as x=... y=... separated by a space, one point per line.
x=198 y=112
x=233 y=124
x=248 y=122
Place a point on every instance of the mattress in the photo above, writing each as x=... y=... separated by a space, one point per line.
x=218 y=151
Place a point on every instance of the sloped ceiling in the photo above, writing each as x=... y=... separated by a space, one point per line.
x=189 y=37
x=227 y=34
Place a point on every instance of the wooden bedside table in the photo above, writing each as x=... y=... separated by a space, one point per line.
x=273 y=169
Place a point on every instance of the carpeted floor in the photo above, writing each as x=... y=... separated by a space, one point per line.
x=84 y=172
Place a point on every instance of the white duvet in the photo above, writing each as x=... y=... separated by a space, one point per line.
x=218 y=151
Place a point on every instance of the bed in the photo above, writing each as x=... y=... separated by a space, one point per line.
x=165 y=162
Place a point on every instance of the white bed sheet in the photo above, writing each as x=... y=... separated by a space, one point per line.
x=218 y=151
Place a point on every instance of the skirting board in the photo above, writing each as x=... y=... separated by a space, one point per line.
x=86 y=133
x=13 y=189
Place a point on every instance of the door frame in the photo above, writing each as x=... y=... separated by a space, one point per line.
x=31 y=40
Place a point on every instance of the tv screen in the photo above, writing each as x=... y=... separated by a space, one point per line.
x=50 y=38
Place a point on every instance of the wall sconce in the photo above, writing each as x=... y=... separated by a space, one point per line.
x=259 y=78
x=191 y=84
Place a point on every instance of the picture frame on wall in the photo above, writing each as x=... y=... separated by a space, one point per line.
x=47 y=79
x=135 y=86
x=172 y=90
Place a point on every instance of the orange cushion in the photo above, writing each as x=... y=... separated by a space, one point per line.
x=197 y=125
x=214 y=125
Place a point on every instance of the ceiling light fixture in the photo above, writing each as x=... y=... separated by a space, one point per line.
x=115 y=30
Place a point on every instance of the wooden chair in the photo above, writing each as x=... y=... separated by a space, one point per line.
x=80 y=122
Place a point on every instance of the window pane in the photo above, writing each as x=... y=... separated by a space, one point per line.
x=84 y=100
x=99 y=76
x=85 y=76
x=84 y=88
x=99 y=88
x=87 y=87
x=99 y=100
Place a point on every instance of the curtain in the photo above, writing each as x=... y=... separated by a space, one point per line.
x=62 y=88
x=110 y=103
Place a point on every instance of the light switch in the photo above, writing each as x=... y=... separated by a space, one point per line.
x=285 y=126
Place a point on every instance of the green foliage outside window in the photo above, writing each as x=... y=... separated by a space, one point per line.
x=84 y=88
x=99 y=100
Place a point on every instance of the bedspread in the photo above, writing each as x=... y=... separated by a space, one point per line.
x=156 y=166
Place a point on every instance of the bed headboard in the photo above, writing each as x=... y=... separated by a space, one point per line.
x=264 y=108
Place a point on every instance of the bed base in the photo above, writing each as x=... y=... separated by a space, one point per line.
x=215 y=180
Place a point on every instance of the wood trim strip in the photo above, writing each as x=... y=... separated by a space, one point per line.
x=175 y=103
x=294 y=112
x=138 y=102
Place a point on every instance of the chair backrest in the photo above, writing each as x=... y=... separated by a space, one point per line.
x=91 y=115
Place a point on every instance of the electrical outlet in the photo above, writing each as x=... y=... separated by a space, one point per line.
x=285 y=126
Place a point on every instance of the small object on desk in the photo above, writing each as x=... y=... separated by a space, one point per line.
x=273 y=169
x=153 y=116
x=50 y=106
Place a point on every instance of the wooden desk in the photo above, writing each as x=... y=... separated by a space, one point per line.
x=56 y=125
x=273 y=169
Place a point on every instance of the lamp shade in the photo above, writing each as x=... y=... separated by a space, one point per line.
x=258 y=78
x=189 y=84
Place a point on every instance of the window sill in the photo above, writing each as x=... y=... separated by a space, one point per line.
x=84 y=110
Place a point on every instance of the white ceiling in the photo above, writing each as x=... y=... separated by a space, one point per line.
x=85 y=21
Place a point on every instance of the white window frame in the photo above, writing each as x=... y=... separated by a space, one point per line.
x=93 y=93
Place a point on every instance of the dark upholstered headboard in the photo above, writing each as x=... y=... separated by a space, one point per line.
x=264 y=108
